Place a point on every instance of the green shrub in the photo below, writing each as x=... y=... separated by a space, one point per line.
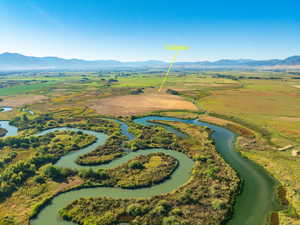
x=171 y=220
x=165 y=204
x=107 y=219
x=52 y=172
x=135 y=165
x=93 y=175
x=218 y=204
x=159 y=210
x=177 y=212
x=135 y=209
x=39 y=179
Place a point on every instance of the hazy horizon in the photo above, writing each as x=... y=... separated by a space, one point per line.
x=95 y=59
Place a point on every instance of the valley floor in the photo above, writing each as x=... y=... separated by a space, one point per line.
x=265 y=113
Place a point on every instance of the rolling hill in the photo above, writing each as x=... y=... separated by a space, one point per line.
x=15 y=61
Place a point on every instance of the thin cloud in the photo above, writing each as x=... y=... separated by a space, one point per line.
x=43 y=13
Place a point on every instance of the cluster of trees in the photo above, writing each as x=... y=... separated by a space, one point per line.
x=62 y=119
x=7 y=159
x=54 y=173
x=39 y=122
x=20 y=142
x=51 y=142
x=135 y=173
x=111 y=150
x=61 y=142
x=15 y=175
x=113 y=211
x=90 y=174
x=232 y=77
x=49 y=148
x=151 y=137
x=140 y=172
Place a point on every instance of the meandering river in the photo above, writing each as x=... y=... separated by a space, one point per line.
x=251 y=208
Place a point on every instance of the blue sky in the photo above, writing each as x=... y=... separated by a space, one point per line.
x=129 y=30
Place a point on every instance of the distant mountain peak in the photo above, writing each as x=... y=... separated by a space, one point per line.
x=11 y=54
x=16 y=61
x=292 y=57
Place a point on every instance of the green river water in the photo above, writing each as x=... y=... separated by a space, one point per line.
x=252 y=206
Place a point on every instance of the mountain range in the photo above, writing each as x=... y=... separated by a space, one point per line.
x=15 y=61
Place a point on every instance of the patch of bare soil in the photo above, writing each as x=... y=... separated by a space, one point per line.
x=135 y=104
x=292 y=119
x=251 y=144
x=241 y=130
x=15 y=101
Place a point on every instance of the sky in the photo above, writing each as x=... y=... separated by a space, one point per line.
x=136 y=30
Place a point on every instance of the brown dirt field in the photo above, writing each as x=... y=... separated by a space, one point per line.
x=16 y=101
x=292 y=119
x=135 y=104
x=296 y=86
x=210 y=84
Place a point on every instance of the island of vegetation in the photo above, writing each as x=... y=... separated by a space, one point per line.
x=104 y=154
x=142 y=171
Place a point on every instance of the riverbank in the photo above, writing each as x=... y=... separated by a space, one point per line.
x=280 y=165
x=276 y=163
